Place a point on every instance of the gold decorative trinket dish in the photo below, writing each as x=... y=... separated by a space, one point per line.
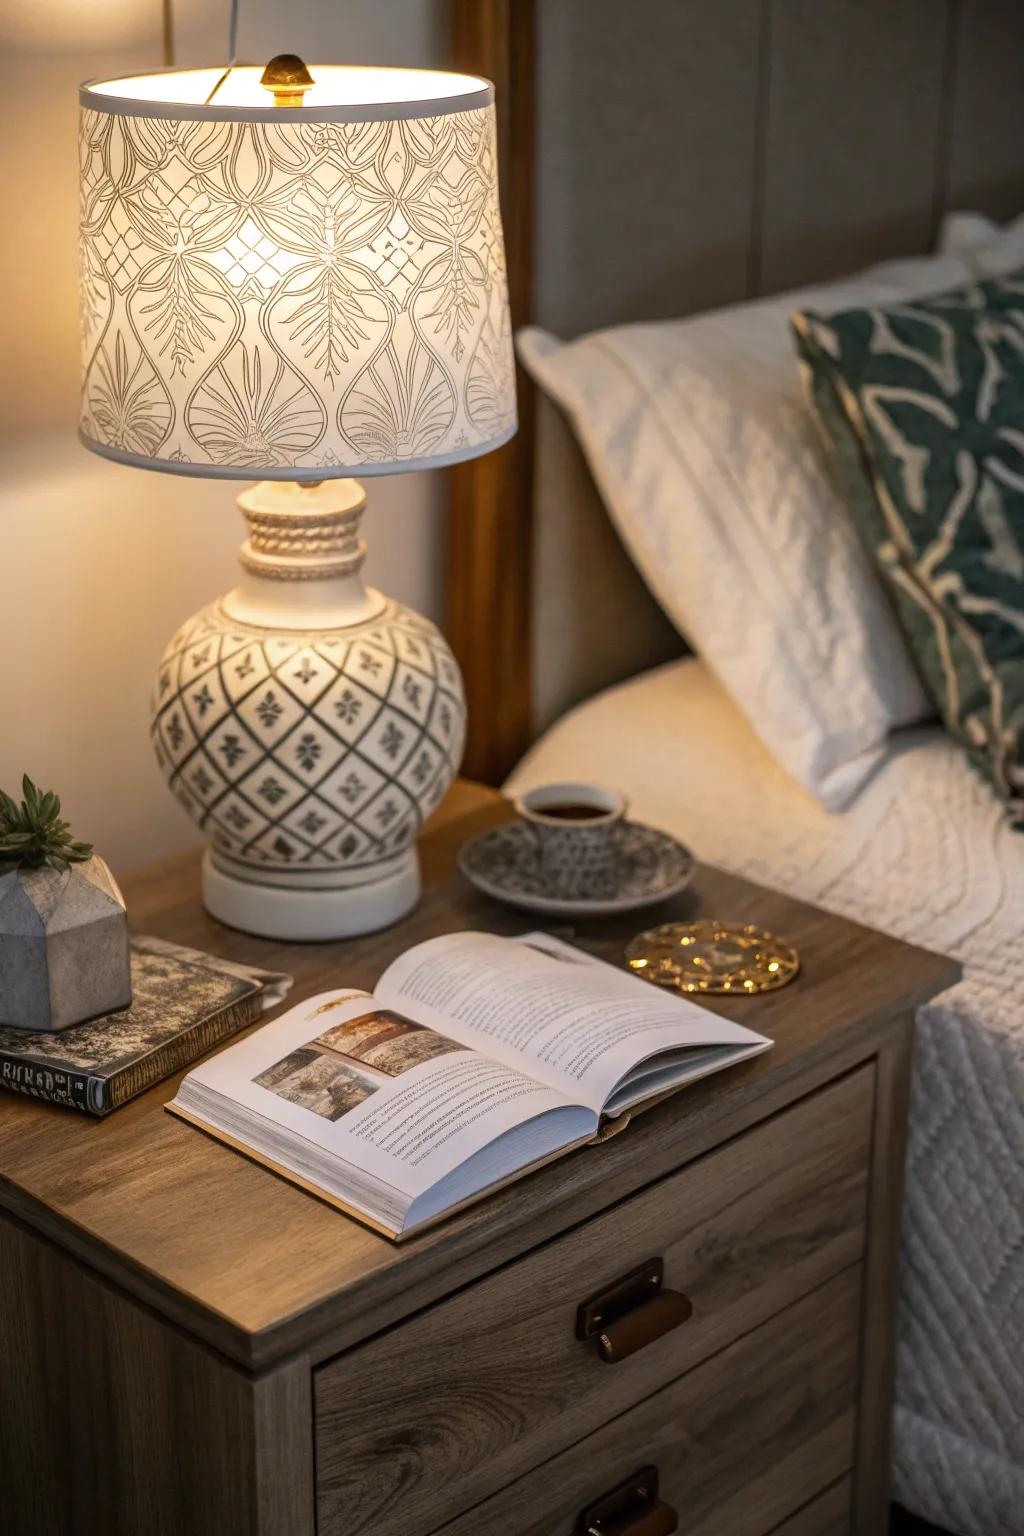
x=710 y=956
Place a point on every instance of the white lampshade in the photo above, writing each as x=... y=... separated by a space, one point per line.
x=292 y=293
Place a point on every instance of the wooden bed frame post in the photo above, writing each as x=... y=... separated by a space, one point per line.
x=488 y=570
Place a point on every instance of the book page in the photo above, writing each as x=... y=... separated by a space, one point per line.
x=400 y=1105
x=548 y=1010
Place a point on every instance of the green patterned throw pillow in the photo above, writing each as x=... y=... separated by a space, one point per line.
x=923 y=403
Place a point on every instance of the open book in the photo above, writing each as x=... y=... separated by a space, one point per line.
x=476 y=1059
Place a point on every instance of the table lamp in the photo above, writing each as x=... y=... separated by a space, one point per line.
x=288 y=275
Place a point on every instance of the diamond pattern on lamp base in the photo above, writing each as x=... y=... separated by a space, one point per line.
x=310 y=758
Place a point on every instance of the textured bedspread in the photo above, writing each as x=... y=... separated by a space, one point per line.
x=925 y=854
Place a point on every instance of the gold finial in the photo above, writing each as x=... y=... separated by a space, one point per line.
x=288 y=78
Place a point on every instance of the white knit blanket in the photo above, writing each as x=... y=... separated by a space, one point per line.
x=925 y=853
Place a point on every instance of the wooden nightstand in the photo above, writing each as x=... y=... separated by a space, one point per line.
x=190 y=1345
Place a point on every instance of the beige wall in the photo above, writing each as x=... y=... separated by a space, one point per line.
x=100 y=563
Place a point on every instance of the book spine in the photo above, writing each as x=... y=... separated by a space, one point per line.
x=182 y=1051
x=75 y=1090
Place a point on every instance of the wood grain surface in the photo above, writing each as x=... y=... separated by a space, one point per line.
x=112 y=1423
x=260 y=1270
x=740 y=1443
x=489 y=543
x=827 y=1515
x=881 y=1281
x=495 y=1378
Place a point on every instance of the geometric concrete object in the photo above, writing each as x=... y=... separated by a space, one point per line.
x=63 y=946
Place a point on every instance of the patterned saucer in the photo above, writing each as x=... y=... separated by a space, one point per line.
x=651 y=866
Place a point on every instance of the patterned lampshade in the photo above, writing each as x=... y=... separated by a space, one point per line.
x=275 y=292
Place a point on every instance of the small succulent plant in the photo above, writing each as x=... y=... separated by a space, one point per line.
x=32 y=835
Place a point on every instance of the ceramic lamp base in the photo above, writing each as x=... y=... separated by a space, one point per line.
x=310 y=914
x=309 y=725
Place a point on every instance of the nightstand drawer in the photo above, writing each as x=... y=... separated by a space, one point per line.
x=738 y=1444
x=827 y=1515
x=432 y=1417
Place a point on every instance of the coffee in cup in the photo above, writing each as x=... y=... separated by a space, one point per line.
x=576 y=827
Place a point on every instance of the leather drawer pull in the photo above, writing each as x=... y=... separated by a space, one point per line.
x=631 y=1509
x=632 y=1313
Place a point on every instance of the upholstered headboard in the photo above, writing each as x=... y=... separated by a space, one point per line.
x=760 y=144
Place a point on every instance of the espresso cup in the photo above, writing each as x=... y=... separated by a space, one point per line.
x=576 y=827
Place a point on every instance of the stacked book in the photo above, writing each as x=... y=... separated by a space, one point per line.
x=183 y=1003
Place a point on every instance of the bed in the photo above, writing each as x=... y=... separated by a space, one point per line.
x=951 y=878
x=797 y=141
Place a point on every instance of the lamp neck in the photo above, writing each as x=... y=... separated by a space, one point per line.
x=303 y=532
x=302 y=560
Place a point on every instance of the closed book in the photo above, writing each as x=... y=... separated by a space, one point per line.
x=183 y=1003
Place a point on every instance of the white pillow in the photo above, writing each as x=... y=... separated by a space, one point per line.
x=988 y=248
x=711 y=468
